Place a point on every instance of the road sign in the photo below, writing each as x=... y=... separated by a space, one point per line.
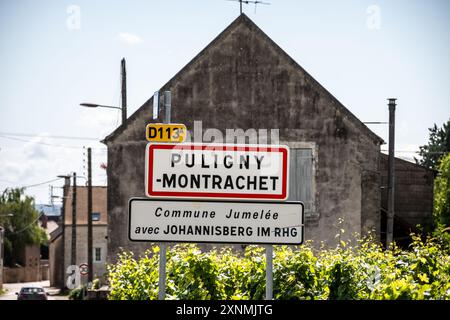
x=84 y=270
x=160 y=132
x=155 y=220
x=217 y=171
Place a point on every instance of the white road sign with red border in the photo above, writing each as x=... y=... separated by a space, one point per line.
x=222 y=171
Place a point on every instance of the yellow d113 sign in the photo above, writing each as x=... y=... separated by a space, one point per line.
x=161 y=132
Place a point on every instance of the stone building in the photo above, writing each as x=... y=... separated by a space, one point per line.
x=29 y=266
x=414 y=186
x=243 y=79
x=60 y=256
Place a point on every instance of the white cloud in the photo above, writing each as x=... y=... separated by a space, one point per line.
x=129 y=38
x=34 y=150
x=33 y=162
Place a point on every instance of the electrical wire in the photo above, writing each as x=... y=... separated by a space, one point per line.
x=46 y=144
x=41 y=183
x=32 y=223
x=36 y=184
x=409 y=151
x=47 y=136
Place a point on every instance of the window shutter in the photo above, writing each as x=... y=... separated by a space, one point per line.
x=301 y=178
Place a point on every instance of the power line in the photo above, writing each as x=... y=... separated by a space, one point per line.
x=45 y=144
x=41 y=183
x=409 y=151
x=47 y=136
x=36 y=184
x=32 y=223
x=39 y=142
x=402 y=151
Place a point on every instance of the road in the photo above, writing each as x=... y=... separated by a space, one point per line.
x=12 y=288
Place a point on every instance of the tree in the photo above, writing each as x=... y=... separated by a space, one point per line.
x=22 y=228
x=442 y=193
x=437 y=147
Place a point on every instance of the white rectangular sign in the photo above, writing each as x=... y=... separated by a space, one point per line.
x=154 y=220
x=217 y=171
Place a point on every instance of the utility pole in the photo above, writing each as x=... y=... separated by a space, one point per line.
x=89 y=212
x=391 y=175
x=123 y=74
x=63 y=227
x=73 y=259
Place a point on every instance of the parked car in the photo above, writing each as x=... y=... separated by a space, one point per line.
x=32 y=293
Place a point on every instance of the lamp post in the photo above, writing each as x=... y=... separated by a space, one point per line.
x=123 y=92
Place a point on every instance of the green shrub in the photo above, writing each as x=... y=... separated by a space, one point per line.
x=95 y=284
x=77 y=294
x=360 y=271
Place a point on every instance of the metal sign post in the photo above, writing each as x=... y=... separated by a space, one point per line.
x=163 y=245
x=162 y=271
x=269 y=272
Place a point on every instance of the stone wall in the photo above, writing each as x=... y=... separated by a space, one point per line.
x=414 y=186
x=99 y=240
x=56 y=261
x=33 y=268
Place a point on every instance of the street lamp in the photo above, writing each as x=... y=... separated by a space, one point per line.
x=123 y=92
x=95 y=105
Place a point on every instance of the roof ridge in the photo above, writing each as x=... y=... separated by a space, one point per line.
x=249 y=23
x=123 y=126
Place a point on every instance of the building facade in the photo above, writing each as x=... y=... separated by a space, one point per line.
x=414 y=190
x=64 y=250
x=243 y=80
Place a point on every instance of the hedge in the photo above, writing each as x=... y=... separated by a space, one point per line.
x=362 y=270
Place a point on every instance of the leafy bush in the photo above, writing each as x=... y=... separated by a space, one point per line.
x=77 y=294
x=360 y=271
x=442 y=193
x=95 y=284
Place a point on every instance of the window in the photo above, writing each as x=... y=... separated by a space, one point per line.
x=97 y=254
x=301 y=176
x=95 y=216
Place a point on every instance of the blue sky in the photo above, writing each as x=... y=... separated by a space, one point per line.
x=49 y=67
